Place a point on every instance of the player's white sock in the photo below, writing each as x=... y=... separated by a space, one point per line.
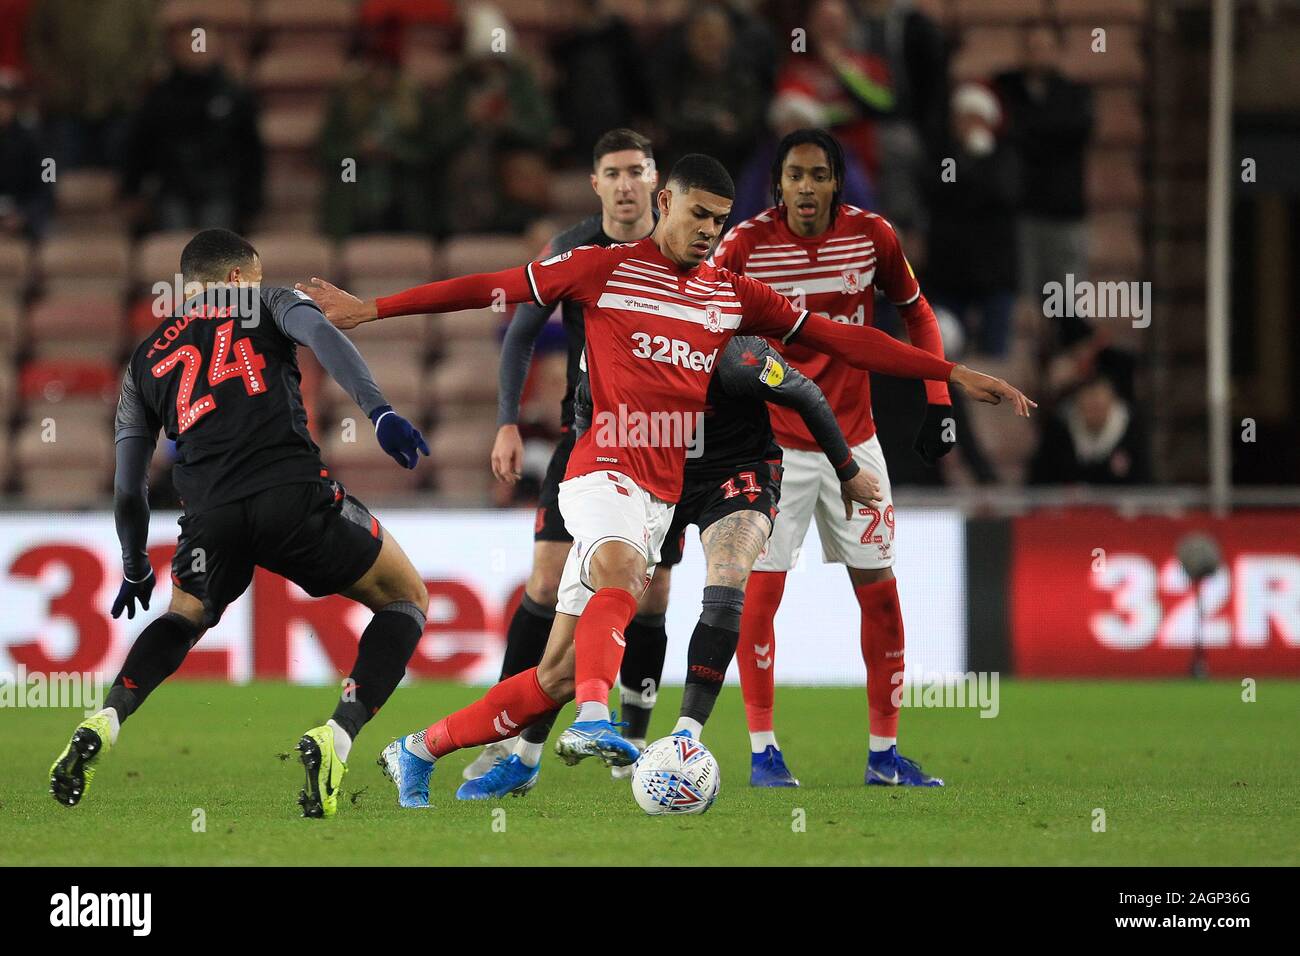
x=760 y=741
x=688 y=723
x=593 y=710
x=877 y=744
x=415 y=744
x=114 y=724
x=342 y=740
x=529 y=754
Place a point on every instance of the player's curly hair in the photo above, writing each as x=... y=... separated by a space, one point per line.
x=812 y=137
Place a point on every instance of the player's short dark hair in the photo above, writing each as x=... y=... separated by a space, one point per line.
x=617 y=140
x=810 y=136
x=212 y=253
x=697 y=171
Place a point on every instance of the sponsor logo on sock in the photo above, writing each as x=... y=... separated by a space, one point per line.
x=501 y=721
x=763 y=654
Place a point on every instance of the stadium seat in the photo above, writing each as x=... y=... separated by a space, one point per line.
x=411 y=332
x=1122 y=62
x=291 y=129
x=986 y=51
x=399 y=371
x=470 y=330
x=572 y=194
x=1119 y=117
x=15 y=265
x=8 y=393
x=11 y=325
x=430 y=68
x=463 y=255
x=231 y=16
x=85 y=265
x=383 y=255
x=296 y=78
x=55 y=440
x=469 y=380
x=365 y=469
x=305 y=17
x=76 y=326
x=1101 y=12
x=64 y=487
x=993 y=12
x=1115 y=244
x=464 y=487
x=465 y=444
x=85 y=200
x=289 y=257
x=158 y=258
x=1114 y=179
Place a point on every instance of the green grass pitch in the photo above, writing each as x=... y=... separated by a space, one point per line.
x=1186 y=773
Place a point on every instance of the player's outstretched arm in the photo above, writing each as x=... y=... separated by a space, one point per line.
x=875 y=351
x=480 y=290
x=306 y=325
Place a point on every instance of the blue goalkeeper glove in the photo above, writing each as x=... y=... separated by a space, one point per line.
x=398 y=437
x=132 y=591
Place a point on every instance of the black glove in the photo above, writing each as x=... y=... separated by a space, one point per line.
x=130 y=592
x=929 y=443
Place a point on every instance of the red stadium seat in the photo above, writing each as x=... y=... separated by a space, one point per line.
x=58 y=380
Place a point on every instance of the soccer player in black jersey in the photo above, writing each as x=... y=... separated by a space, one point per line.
x=731 y=490
x=623 y=176
x=220 y=377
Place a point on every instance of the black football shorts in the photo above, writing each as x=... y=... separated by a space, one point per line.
x=313 y=533
x=752 y=487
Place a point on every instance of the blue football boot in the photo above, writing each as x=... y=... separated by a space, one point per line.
x=768 y=769
x=408 y=772
x=596 y=738
x=889 y=768
x=508 y=777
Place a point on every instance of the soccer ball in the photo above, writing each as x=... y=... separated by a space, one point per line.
x=675 y=775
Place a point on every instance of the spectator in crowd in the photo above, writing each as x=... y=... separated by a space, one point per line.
x=194 y=156
x=13 y=37
x=382 y=122
x=491 y=105
x=971 y=268
x=852 y=88
x=789 y=112
x=90 y=64
x=1049 y=120
x=1094 y=438
x=602 y=79
x=26 y=199
x=710 y=101
x=915 y=52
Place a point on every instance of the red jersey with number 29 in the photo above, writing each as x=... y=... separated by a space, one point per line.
x=654 y=334
x=835 y=273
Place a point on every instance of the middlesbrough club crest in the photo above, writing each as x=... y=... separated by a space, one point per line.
x=852 y=280
x=713 y=318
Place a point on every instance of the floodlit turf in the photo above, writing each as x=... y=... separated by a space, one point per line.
x=1186 y=774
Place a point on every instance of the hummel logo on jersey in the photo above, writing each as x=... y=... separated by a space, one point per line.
x=618 y=638
x=661 y=348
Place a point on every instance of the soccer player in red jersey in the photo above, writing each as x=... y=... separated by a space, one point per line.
x=657 y=316
x=829 y=256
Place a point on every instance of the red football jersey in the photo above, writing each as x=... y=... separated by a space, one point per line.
x=835 y=273
x=654 y=333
